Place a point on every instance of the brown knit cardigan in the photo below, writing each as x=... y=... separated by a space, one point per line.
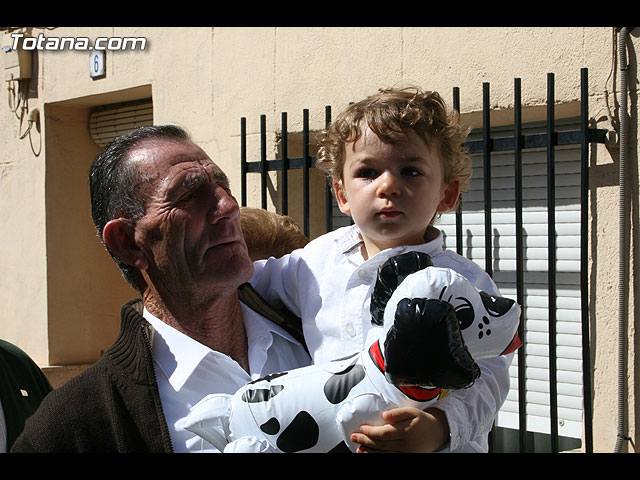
x=113 y=406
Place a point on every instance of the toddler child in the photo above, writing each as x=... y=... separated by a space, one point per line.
x=396 y=162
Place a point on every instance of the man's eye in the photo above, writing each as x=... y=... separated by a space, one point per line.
x=189 y=195
x=186 y=197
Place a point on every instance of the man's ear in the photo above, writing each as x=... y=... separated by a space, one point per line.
x=118 y=237
x=341 y=197
x=451 y=194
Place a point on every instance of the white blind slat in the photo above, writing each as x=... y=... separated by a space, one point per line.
x=109 y=122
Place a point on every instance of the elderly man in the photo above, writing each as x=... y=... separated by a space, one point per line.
x=165 y=212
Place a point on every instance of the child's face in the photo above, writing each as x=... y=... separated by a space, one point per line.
x=393 y=190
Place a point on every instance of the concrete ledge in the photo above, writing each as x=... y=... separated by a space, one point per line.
x=59 y=374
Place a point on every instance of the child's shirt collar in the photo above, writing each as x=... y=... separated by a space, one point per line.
x=351 y=239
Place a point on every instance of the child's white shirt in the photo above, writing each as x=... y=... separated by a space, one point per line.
x=328 y=285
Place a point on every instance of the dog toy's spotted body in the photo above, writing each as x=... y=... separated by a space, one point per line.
x=433 y=326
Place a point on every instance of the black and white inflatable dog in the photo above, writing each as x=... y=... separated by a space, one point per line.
x=434 y=325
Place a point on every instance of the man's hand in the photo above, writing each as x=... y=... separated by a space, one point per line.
x=408 y=430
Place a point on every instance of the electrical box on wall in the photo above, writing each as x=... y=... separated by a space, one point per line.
x=17 y=65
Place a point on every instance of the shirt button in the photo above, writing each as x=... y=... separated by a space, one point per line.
x=362 y=274
x=351 y=331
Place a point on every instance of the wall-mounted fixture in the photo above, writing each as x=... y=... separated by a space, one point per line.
x=17 y=63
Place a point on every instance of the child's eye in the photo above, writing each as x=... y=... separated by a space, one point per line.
x=411 y=172
x=367 y=173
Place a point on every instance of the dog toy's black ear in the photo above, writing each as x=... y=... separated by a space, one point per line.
x=390 y=275
x=425 y=347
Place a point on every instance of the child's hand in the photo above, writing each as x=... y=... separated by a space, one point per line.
x=408 y=430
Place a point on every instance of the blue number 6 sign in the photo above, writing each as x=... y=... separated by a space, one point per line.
x=96 y=63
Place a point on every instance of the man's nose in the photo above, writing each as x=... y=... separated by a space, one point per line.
x=223 y=205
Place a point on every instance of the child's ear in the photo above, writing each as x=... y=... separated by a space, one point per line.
x=341 y=197
x=118 y=237
x=450 y=195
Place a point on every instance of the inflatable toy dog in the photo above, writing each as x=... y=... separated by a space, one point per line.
x=433 y=326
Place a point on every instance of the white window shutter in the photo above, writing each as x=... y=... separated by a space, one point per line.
x=568 y=311
x=110 y=121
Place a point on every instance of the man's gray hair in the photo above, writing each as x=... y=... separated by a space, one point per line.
x=115 y=185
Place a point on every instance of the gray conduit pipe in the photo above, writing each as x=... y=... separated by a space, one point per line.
x=623 y=259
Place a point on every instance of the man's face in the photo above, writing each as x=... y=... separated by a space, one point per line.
x=190 y=233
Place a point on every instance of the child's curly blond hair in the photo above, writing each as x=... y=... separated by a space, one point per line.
x=390 y=113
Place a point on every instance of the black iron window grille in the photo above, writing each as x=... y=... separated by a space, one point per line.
x=486 y=146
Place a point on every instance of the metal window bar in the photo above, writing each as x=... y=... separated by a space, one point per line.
x=305 y=169
x=487 y=145
x=456 y=107
x=517 y=121
x=551 y=246
x=328 y=190
x=285 y=166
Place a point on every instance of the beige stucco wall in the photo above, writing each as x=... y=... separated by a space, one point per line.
x=59 y=291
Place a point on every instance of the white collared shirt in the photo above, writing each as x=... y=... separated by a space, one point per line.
x=328 y=284
x=187 y=371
